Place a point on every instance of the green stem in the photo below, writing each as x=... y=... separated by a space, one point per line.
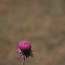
x=23 y=61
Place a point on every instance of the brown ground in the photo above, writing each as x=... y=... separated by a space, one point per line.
x=42 y=22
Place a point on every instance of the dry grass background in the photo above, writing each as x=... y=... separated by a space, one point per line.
x=42 y=22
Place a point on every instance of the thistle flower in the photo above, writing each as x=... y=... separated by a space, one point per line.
x=24 y=49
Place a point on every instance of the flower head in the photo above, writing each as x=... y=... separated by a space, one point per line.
x=24 y=49
x=24 y=45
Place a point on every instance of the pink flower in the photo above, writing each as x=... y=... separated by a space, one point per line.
x=24 y=49
x=24 y=45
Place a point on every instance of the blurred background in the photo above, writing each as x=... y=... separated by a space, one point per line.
x=41 y=22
